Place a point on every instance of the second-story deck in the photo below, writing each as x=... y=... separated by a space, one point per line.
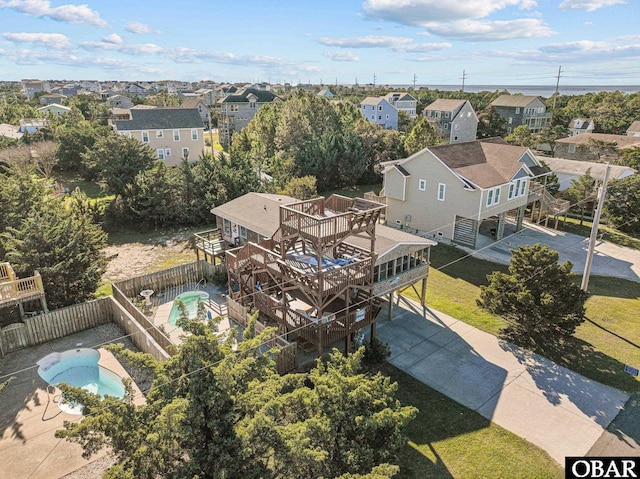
x=15 y=290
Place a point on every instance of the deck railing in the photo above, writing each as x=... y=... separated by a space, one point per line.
x=6 y=272
x=210 y=242
x=21 y=288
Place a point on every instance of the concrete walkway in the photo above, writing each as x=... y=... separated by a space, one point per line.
x=552 y=407
x=609 y=259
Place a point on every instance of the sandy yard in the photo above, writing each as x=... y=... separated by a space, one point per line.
x=135 y=259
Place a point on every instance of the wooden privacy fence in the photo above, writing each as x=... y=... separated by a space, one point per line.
x=145 y=323
x=73 y=319
x=55 y=324
x=178 y=275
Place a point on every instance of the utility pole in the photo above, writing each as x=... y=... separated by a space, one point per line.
x=555 y=95
x=414 y=81
x=594 y=231
x=374 y=81
x=464 y=77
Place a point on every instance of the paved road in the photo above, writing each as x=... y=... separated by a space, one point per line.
x=609 y=259
x=556 y=409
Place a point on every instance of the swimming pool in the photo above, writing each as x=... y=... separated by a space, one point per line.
x=80 y=368
x=190 y=300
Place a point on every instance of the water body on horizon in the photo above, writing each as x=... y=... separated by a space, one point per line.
x=533 y=90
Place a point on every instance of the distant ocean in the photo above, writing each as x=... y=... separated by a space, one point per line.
x=545 y=91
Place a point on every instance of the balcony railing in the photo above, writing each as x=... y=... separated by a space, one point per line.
x=21 y=288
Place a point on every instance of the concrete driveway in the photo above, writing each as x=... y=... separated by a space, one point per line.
x=609 y=259
x=552 y=407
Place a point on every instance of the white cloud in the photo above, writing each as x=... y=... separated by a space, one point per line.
x=347 y=56
x=131 y=49
x=588 y=5
x=423 y=47
x=75 y=14
x=113 y=38
x=418 y=12
x=371 y=41
x=473 y=30
x=140 y=28
x=57 y=41
x=461 y=20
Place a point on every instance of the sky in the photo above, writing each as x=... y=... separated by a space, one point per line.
x=494 y=42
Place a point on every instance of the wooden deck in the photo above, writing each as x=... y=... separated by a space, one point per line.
x=14 y=290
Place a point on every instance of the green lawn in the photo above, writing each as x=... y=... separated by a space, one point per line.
x=603 y=344
x=572 y=225
x=72 y=180
x=447 y=440
x=354 y=191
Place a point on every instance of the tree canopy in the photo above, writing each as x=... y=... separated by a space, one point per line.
x=214 y=413
x=580 y=191
x=538 y=297
x=622 y=204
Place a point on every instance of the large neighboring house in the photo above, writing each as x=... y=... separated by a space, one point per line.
x=54 y=109
x=459 y=191
x=30 y=87
x=634 y=129
x=315 y=268
x=52 y=98
x=119 y=101
x=326 y=93
x=403 y=102
x=585 y=147
x=380 y=112
x=522 y=110
x=580 y=126
x=567 y=170
x=238 y=109
x=198 y=103
x=455 y=121
x=173 y=133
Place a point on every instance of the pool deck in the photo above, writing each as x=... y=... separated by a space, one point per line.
x=216 y=305
x=29 y=417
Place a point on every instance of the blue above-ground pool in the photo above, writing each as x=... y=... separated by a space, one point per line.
x=80 y=368
x=190 y=301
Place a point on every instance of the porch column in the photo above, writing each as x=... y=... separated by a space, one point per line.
x=500 y=229
x=519 y=217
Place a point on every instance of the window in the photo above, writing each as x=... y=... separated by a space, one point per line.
x=493 y=197
x=446 y=126
x=159 y=134
x=422 y=185
x=252 y=104
x=233 y=107
x=387 y=116
x=510 y=195
x=510 y=120
x=145 y=137
x=226 y=227
x=373 y=117
x=379 y=117
x=243 y=232
x=185 y=153
x=517 y=188
x=167 y=152
x=194 y=134
x=160 y=153
x=572 y=148
x=517 y=111
x=523 y=186
x=508 y=129
x=441 y=190
x=380 y=108
x=176 y=135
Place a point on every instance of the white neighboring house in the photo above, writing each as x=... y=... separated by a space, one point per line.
x=580 y=126
x=119 y=101
x=55 y=109
x=10 y=131
x=173 y=133
x=634 y=129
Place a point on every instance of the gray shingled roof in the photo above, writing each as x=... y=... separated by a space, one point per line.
x=161 y=119
x=443 y=104
x=486 y=164
x=514 y=100
x=622 y=141
x=259 y=212
x=263 y=96
x=635 y=127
